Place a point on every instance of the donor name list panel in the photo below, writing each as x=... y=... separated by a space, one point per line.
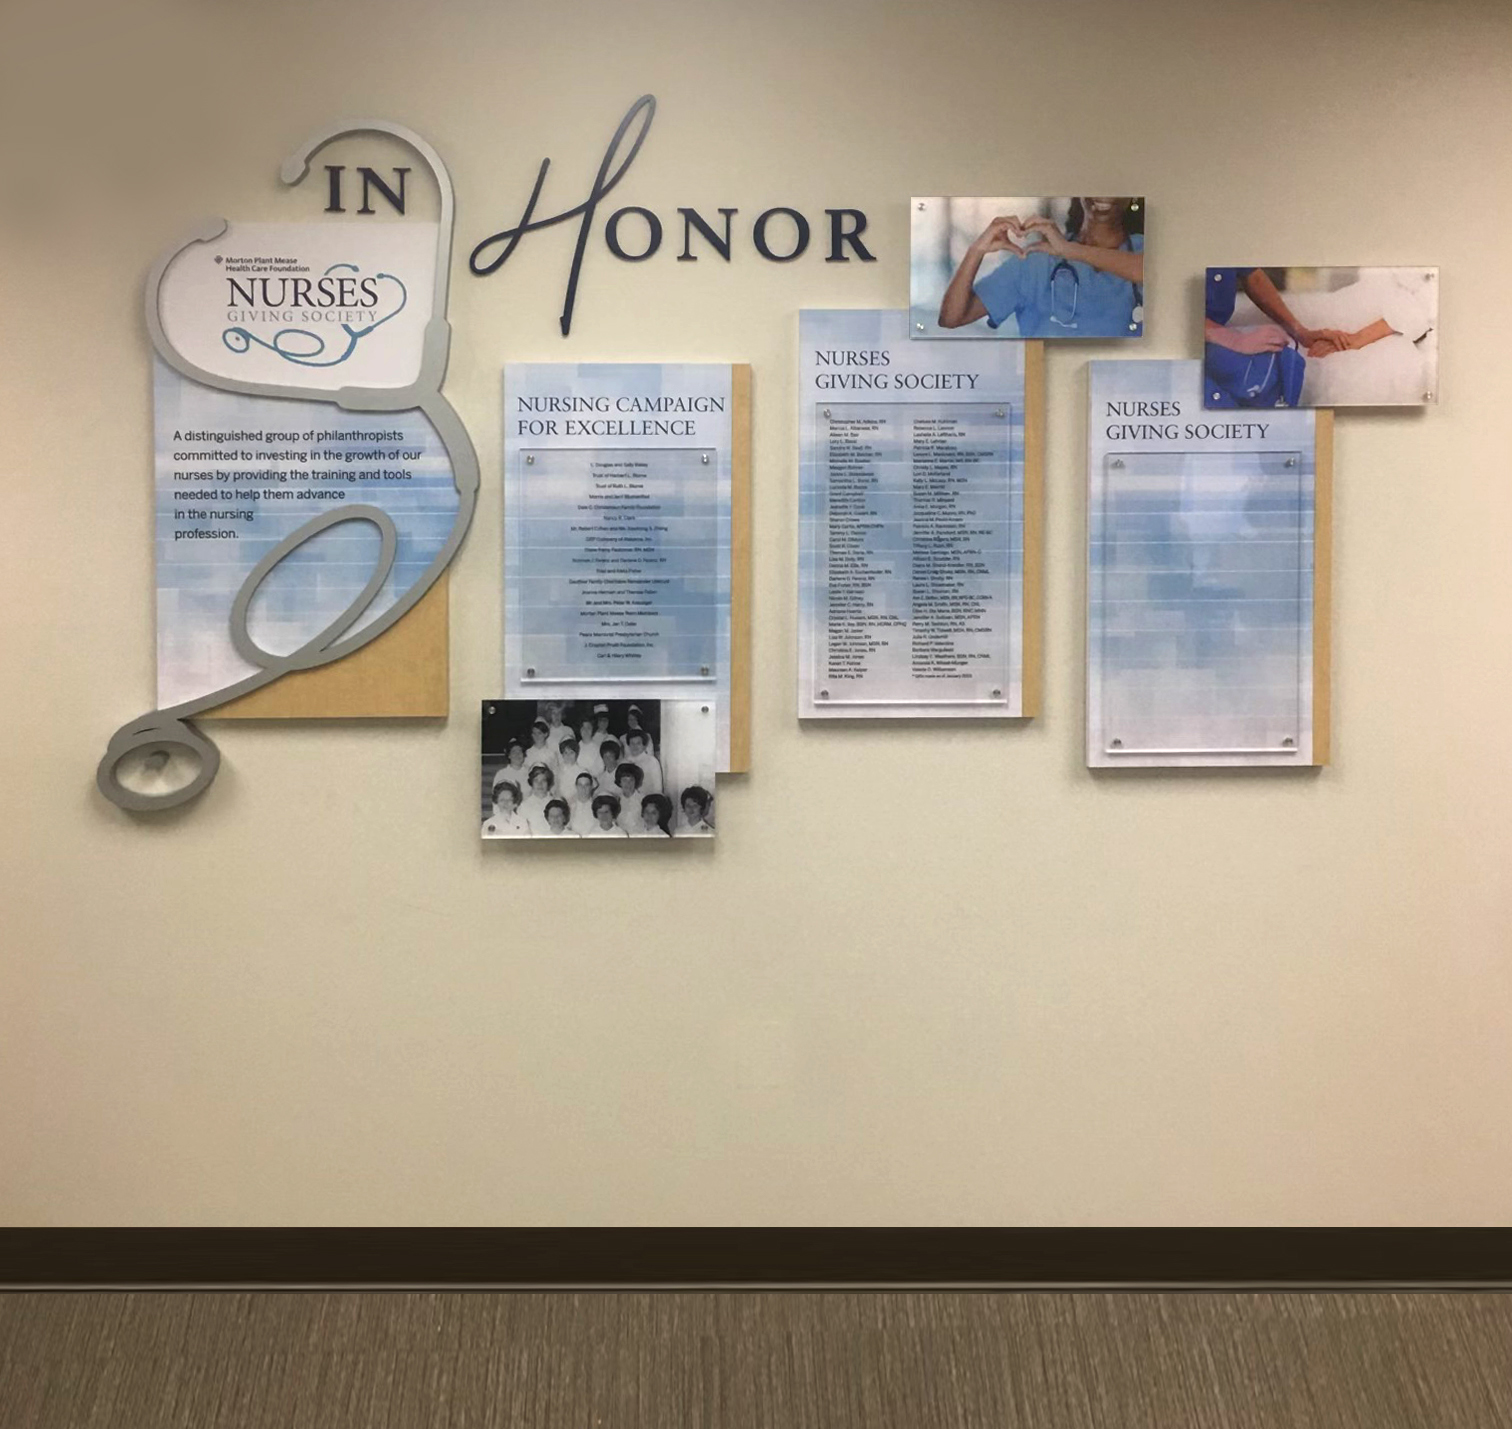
x=913 y=517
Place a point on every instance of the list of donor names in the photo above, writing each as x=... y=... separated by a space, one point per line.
x=916 y=562
x=619 y=563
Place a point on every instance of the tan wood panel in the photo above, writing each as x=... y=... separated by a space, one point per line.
x=740 y=568
x=403 y=674
x=1033 y=646
x=1322 y=711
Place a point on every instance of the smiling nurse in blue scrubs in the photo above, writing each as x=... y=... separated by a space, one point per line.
x=1083 y=280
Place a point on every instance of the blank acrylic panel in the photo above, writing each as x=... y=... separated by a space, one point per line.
x=1207 y=595
x=1201 y=603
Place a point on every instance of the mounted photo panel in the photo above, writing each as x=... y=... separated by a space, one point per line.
x=598 y=769
x=1053 y=268
x=1320 y=337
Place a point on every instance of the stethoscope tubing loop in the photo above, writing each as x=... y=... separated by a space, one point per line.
x=161 y=733
x=314 y=651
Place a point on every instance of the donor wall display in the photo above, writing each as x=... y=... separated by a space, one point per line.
x=312 y=485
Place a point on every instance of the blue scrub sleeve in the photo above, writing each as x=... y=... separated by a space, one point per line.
x=999 y=290
x=1223 y=286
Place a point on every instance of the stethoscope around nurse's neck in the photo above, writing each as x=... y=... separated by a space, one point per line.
x=1065 y=294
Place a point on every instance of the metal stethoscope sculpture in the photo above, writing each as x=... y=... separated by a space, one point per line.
x=163 y=731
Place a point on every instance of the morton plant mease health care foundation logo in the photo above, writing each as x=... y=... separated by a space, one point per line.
x=308 y=319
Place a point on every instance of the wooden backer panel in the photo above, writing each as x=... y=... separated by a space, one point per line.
x=1033 y=645
x=740 y=568
x=1322 y=713
x=403 y=674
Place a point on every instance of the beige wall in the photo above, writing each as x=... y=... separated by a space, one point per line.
x=1018 y=993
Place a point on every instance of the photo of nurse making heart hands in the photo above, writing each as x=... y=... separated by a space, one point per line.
x=1042 y=268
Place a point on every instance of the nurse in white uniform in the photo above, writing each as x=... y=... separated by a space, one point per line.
x=585 y=746
x=569 y=766
x=558 y=816
x=533 y=809
x=656 y=814
x=541 y=751
x=606 y=811
x=638 y=753
x=608 y=754
x=633 y=718
x=514 y=765
x=628 y=778
x=505 y=821
x=693 y=815
x=556 y=729
x=584 y=787
x=600 y=722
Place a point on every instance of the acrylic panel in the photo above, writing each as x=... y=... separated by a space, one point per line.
x=913 y=512
x=597 y=769
x=618 y=532
x=1201 y=555
x=618 y=565
x=1056 y=268
x=1320 y=337
x=234 y=476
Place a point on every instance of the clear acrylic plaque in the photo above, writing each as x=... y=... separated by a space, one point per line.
x=619 y=565
x=1201 y=603
x=915 y=550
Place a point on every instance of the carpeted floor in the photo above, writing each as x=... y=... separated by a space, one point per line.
x=382 y=1360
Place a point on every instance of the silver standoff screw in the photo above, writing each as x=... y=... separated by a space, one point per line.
x=824 y=694
x=529 y=461
x=1116 y=463
x=706 y=458
x=491 y=709
x=1288 y=743
x=920 y=326
x=1000 y=413
x=826 y=411
x=530 y=672
x=921 y=208
x=1115 y=744
x=997 y=694
x=1291 y=461
x=706 y=709
x=703 y=669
